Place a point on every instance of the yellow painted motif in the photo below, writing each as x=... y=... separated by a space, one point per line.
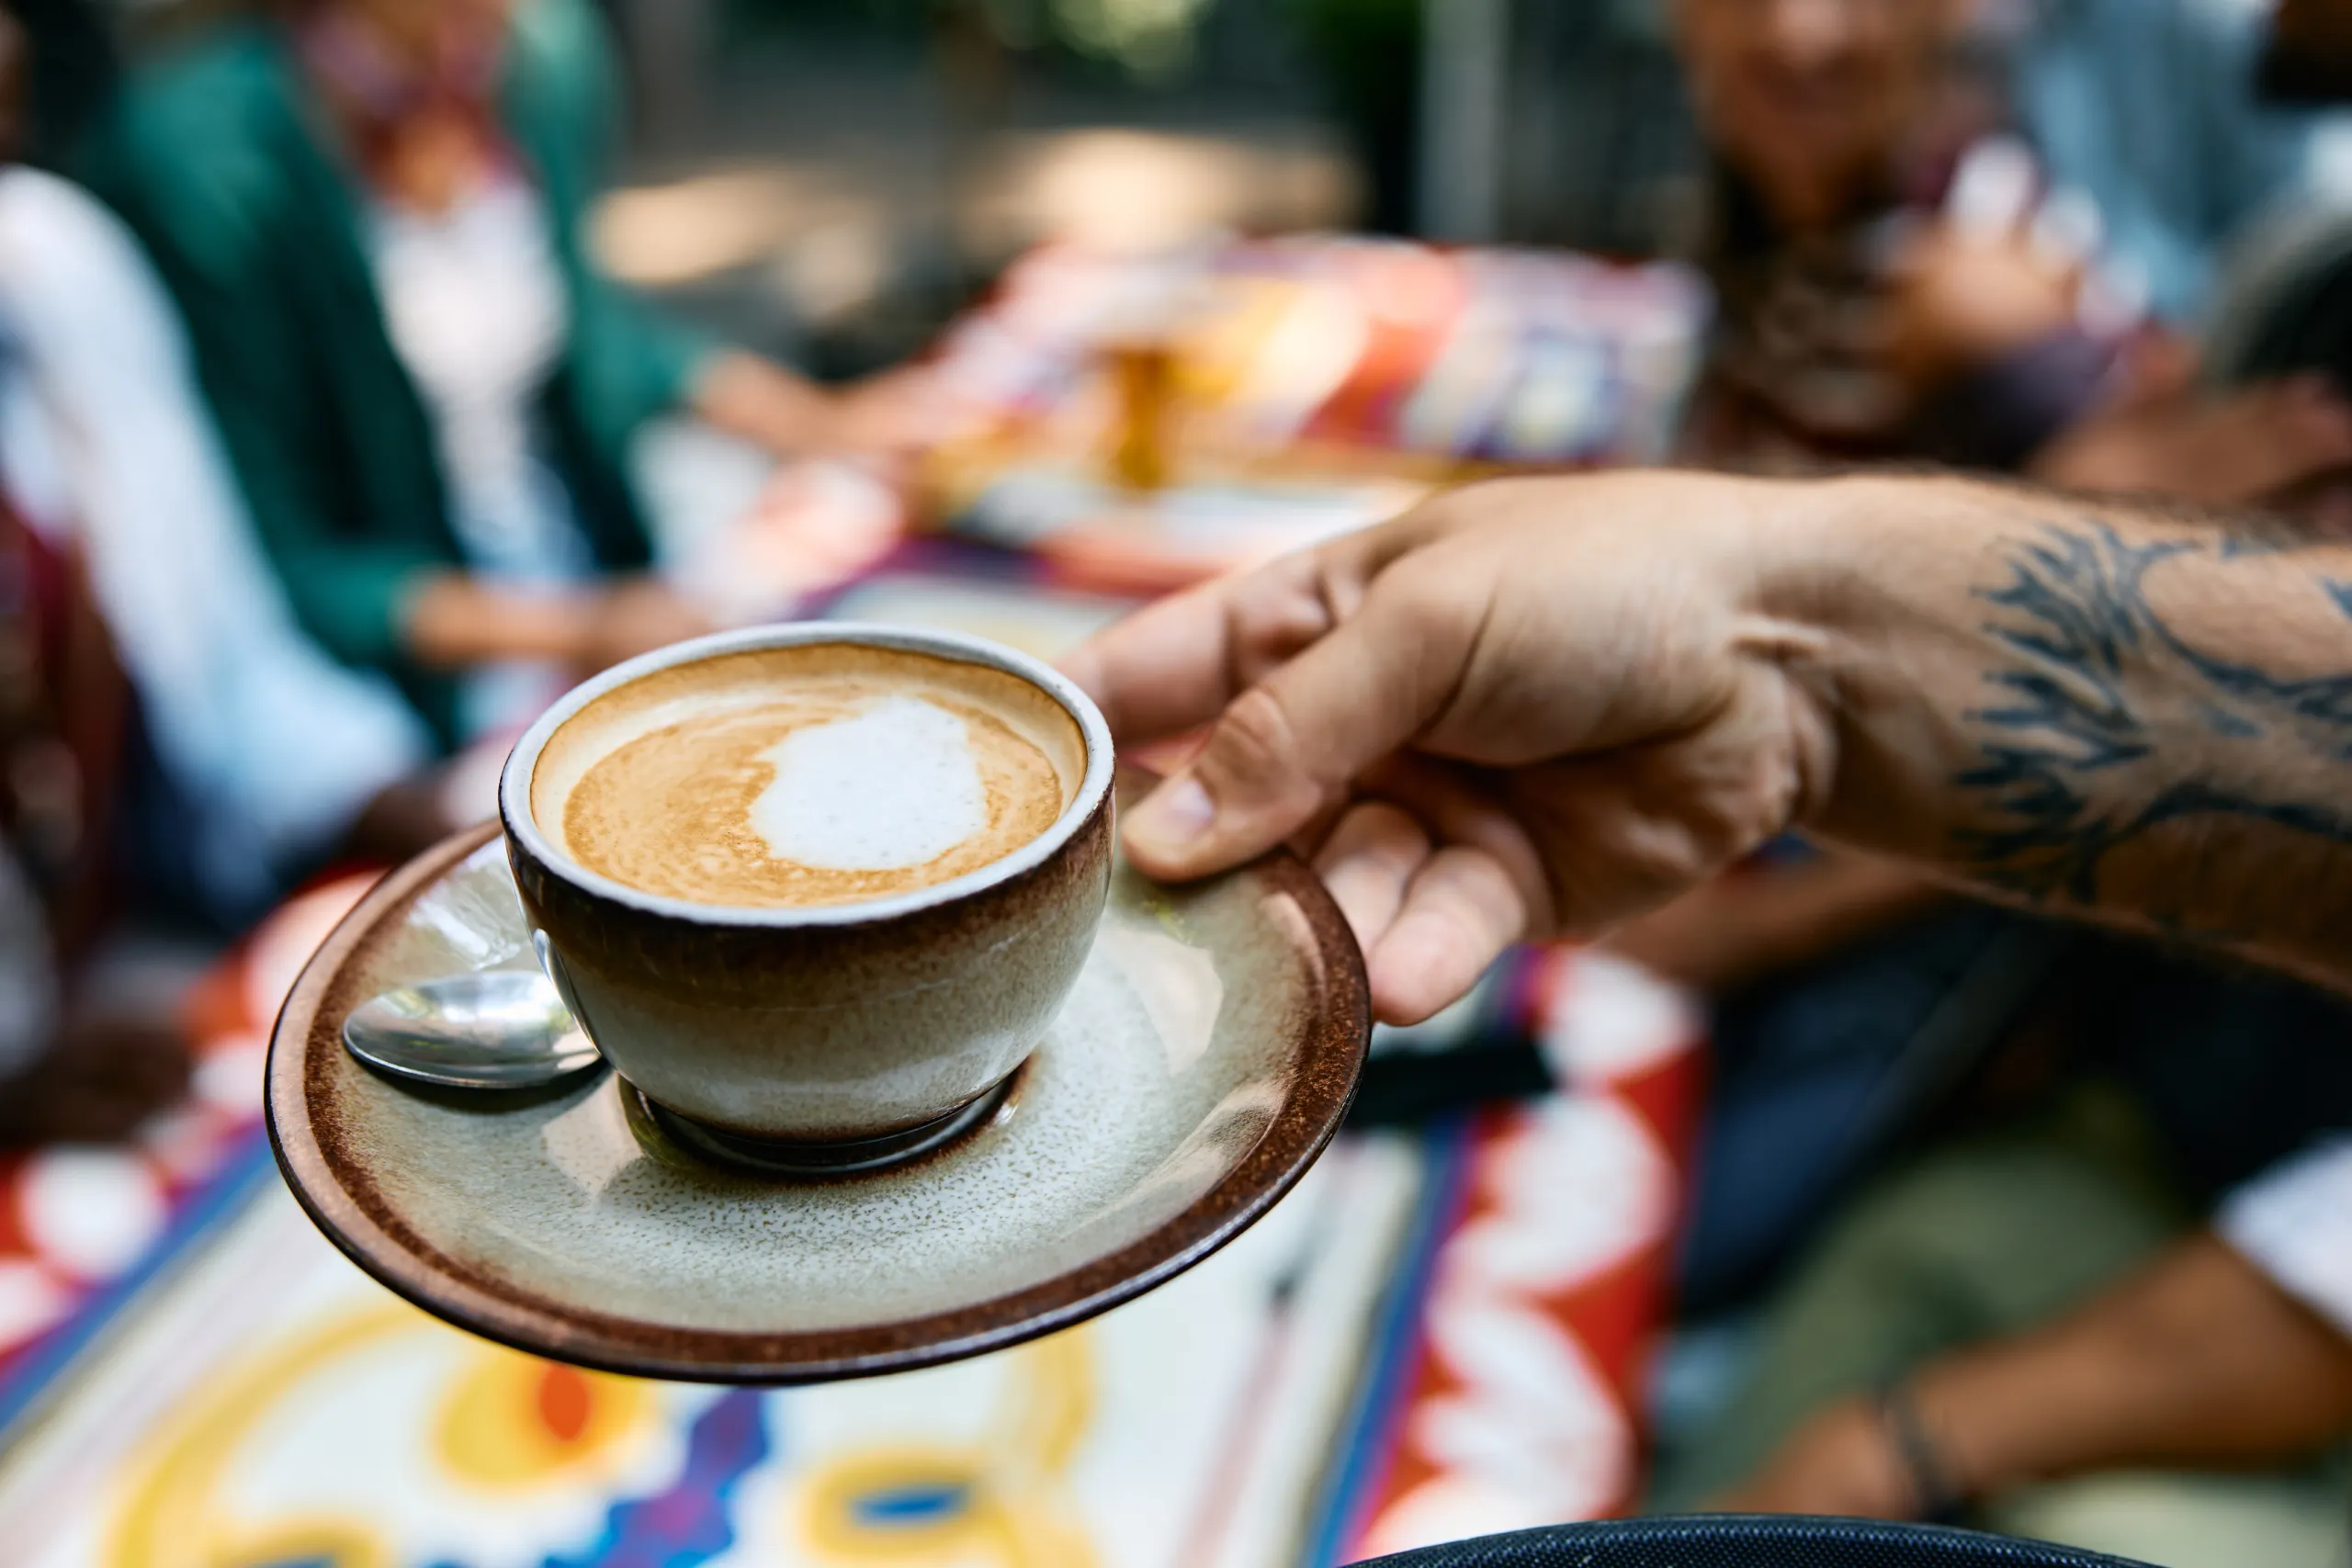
x=513 y=1420
x=1003 y=1501
x=507 y=1421
x=171 y=1518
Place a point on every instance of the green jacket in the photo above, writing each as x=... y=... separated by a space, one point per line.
x=218 y=159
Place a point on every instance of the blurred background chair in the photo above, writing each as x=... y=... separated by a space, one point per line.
x=1740 y=1541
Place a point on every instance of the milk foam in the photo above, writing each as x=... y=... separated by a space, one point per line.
x=895 y=786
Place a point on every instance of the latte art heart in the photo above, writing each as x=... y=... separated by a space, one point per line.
x=813 y=776
x=896 y=786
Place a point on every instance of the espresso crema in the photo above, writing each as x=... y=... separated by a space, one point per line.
x=819 y=774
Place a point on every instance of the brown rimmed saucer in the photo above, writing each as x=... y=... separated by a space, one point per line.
x=1202 y=1062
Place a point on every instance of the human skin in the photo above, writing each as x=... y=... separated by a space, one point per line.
x=2247 y=446
x=1761 y=920
x=1541 y=707
x=1809 y=98
x=2197 y=1362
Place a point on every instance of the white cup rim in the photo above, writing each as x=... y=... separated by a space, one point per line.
x=522 y=827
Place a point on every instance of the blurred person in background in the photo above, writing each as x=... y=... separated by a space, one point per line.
x=174 y=745
x=2145 y=1266
x=371 y=214
x=1949 y=323
x=2186 y=1403
x=1863 y=312
x=2220 y=181
x=1874 y=301
x=255 y=756
x=2117 y=1316
x=70 y=1066
x=2145 y=106
x=1905 y=271
x=1881 y=288
x=76 y=1063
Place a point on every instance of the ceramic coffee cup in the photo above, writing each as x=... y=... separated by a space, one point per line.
x=861 y=1026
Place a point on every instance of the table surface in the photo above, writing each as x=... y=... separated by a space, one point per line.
x=1440 y=1333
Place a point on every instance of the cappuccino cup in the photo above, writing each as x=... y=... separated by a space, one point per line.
x=816 y=889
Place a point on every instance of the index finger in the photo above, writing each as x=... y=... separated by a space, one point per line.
x=1174 y=665
x=1162 y=670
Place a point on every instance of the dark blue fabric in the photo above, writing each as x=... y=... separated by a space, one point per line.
x=1800 y=1063
x=2234 y=1070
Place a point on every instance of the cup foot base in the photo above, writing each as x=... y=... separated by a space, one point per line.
x=799 y=1159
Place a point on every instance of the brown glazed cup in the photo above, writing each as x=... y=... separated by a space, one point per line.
x=858 y=1027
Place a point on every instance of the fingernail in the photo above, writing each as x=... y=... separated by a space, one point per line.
x=1175 y=814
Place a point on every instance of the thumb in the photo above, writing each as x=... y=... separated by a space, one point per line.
x=1289 y=746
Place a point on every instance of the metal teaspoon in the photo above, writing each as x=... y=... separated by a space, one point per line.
x=495 y=1030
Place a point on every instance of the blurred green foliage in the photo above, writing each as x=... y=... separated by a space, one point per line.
x=1152 y=39
x=1368 y=55
x=1361 y=57
x=1143 y=38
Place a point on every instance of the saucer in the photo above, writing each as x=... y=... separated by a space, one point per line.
x=1201 y=1063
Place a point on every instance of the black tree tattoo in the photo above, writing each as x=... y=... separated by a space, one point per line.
x=2099 y=680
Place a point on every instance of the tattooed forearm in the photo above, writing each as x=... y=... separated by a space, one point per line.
x=2118 y=716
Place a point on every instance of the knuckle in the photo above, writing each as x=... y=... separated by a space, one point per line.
x=1269 y=629
x=1426 y=602
x=1383 y=835
x=1256 y=739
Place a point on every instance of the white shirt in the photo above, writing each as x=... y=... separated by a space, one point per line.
x=2294 y=1223
x=105 y=439
x=475 y=307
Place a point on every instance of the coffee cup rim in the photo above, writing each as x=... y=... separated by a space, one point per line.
x=522 y=827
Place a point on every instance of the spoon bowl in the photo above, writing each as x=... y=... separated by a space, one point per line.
x=496 y=1030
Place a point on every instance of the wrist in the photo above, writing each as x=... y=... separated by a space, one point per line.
x=1993 y=1416
x=1878 y=577
x=1801 y=604
x=1826 y=554
x=1920 y=1447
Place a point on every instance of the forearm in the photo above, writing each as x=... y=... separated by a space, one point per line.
x=762 y=402
x=1753 y=923
x=2197 y=1362
x=451 y=621
x=1803 y=912
x=2142 y=718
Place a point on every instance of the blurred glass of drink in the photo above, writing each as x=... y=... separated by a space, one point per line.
x=1143 y=378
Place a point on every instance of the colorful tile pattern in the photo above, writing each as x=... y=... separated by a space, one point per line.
x=1439 y=1334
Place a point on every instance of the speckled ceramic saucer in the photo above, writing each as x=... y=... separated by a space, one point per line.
x=1204 y=1060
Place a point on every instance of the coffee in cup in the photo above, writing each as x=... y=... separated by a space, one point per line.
x=822 y=885
x=801 y=777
